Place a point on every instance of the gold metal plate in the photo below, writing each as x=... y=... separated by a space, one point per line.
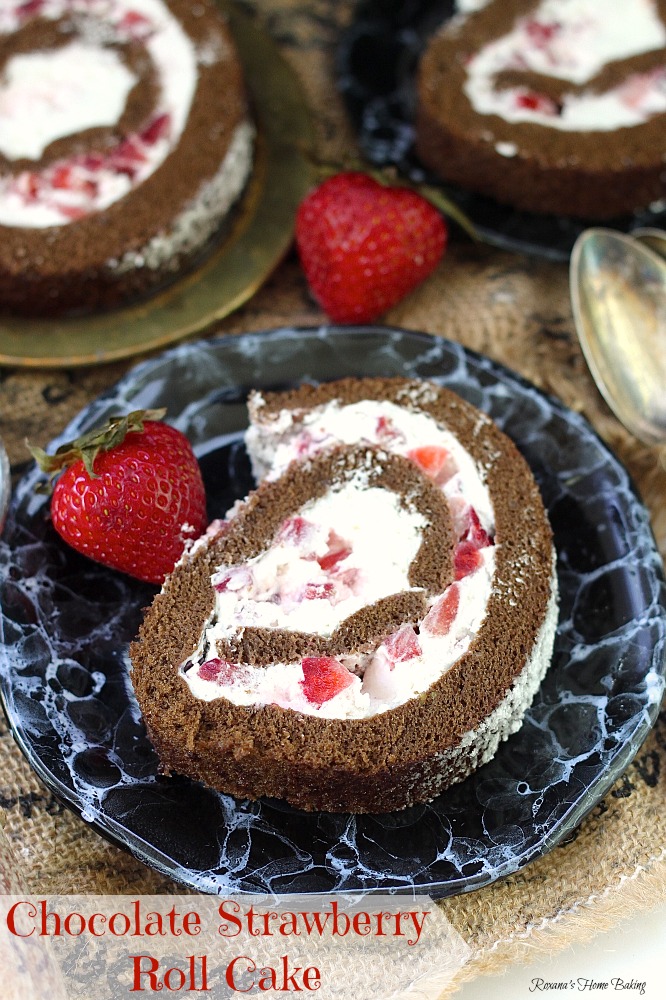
x=260 y=235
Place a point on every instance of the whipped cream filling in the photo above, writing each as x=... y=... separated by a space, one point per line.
x=50 y=94
x=346 y=551
x=72 y=188
x=573 y=40
x=326 y=563
x=402 y=431
x=404 y=665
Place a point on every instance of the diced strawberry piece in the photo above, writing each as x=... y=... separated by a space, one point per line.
x=323 y=678
x=124 y=167
x=27 y=185
x=350 y=577
x=530 y=101
x=338 y=549
x=64 y=178
x=33 y=186
x=129 y=150
x=403 y=644
x=384 y=429
x=434 y=460
x=318 y=591
x=429 y=458
x=29 y=8
x=92 y=161
x=466 y=524
x=159 y=128
x=135 y=24
x=296 y=530
x=533 y=101
x=477 y=535
x=126 y=158
x=303 y=444
x=541 y=33
x=61 y=177
x=331 y=559
x=442 y=614
x=134 y=17
x=218 y=670
x=466 y=559
x=459 y=510
x=638 y=87
x=209 y=670
x=233 y=579
x=70 y=211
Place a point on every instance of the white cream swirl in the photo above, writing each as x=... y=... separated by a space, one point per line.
x=50 y=95
x=573 y=40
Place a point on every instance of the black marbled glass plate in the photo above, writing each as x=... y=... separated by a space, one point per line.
x=66 y=623
x=376 y=65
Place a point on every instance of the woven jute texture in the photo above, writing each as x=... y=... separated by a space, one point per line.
x=515 y=310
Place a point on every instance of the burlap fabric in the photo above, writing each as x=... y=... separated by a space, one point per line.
x=507 y=306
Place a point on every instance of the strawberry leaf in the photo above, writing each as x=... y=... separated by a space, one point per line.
x=89 y=445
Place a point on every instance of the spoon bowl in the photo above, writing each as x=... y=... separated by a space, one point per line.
x=655 y=239
x=618 y=295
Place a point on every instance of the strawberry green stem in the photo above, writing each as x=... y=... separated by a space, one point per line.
x=447 y=208
x=89 y=445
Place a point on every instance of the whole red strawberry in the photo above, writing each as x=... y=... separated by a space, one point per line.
x=364 y=246
x=130 y=495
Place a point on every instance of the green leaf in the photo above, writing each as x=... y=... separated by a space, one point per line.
x=89 y=445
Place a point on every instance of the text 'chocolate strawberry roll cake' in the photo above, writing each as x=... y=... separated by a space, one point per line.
x=553 y=106
x=124 y=143
x=366 y=627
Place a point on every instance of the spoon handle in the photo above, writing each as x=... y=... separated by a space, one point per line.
x=5 y=484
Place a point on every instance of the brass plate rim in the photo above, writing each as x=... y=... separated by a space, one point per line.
x=259 y=236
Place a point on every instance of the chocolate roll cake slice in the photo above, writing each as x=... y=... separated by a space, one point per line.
x=552 y=106
x=365 y=627
x=125 y=141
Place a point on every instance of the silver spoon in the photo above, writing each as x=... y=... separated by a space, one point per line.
x=618 y=294
x=655 y=239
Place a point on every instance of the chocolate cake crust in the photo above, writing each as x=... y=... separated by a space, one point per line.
x=398 y=757
x=587 y=174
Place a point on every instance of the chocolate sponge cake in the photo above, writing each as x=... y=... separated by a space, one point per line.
x=368 y=624
x=552 y=106
x=124 y=143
